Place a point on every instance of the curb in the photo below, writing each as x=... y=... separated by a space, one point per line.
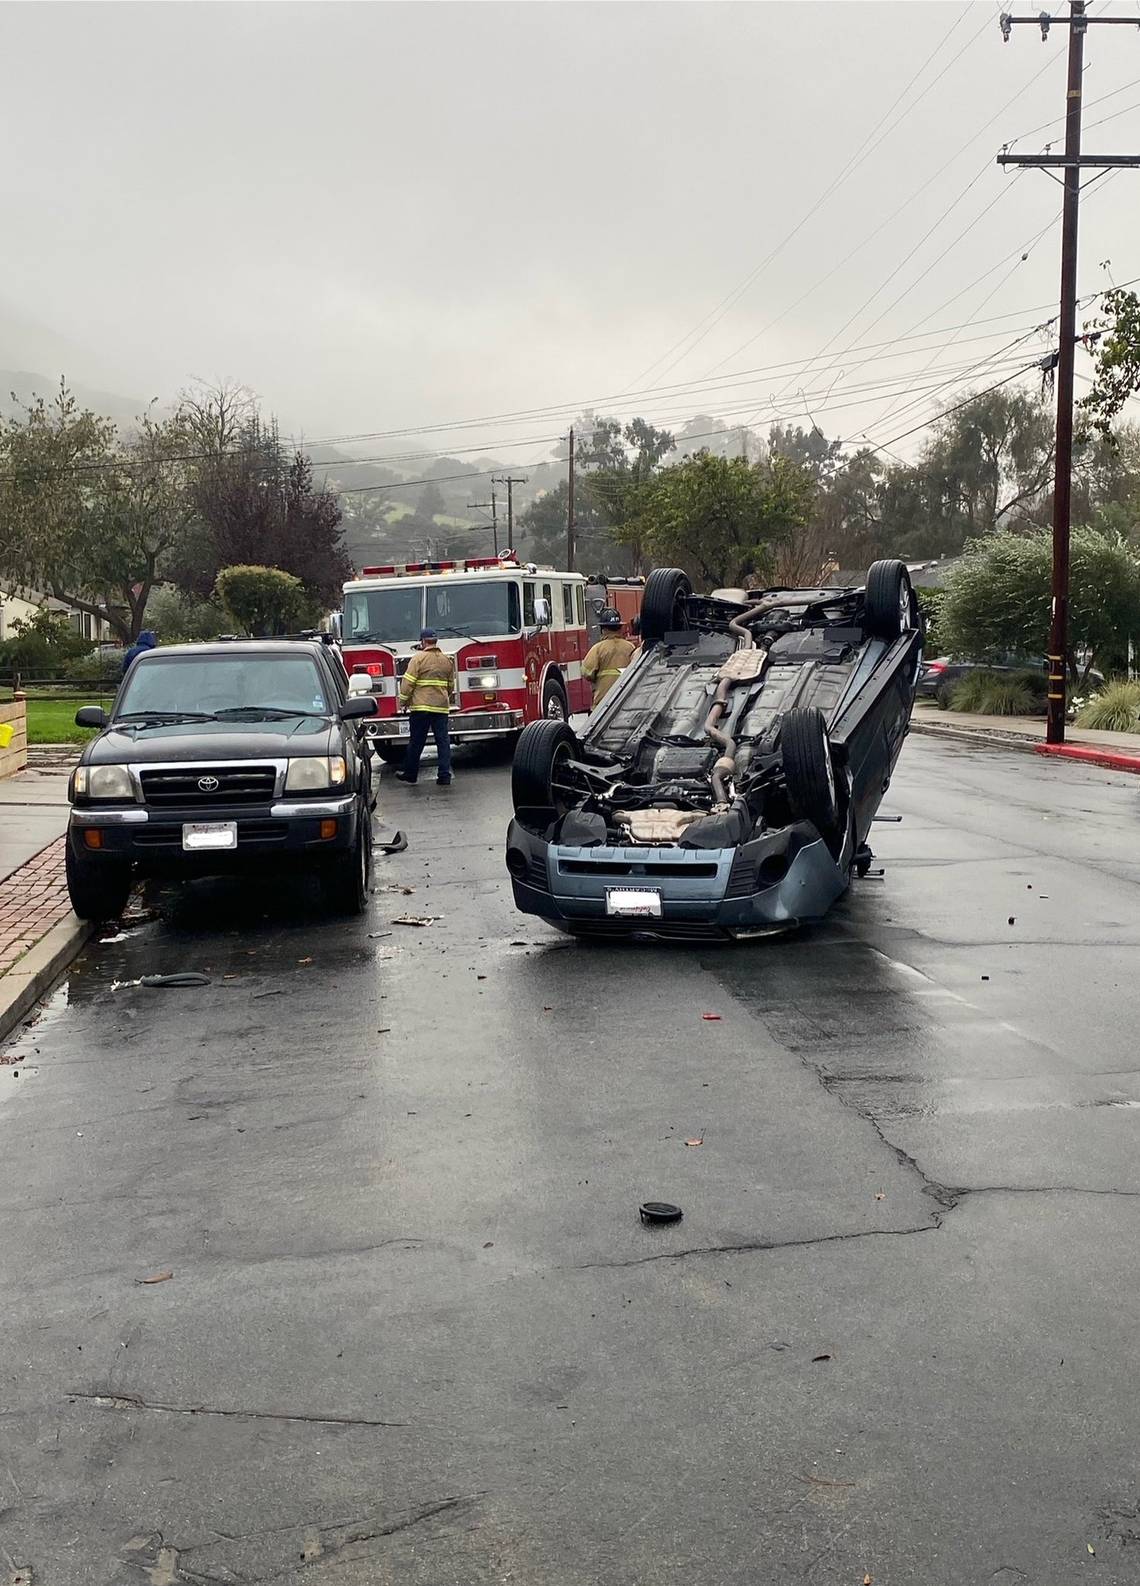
x=983 y=740
x=1113 y=759
x=41 y=966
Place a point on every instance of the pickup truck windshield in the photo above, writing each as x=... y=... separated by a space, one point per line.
x=468 y=609
x=206 y=684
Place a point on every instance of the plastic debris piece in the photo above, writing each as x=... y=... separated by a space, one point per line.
x=696 y=1140
x=713 y=1018
x=816 y=1358
x=158 y=1277
x=186 y=977
x=660 y=1212
x=415 y=919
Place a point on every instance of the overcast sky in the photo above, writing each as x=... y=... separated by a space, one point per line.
x=384 y=215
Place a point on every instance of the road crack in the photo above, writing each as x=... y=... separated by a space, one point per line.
x=130 y=1401
x=752 y=1246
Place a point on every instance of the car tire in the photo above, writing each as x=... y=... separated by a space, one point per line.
x=809 y=772
x=663 y=603
x=542 y=746
x=555 y=705
x=390 y=753
x=348 y=874
x=889 y=605
x=98 y=888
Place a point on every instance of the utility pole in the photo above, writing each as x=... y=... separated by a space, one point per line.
x=511 y=480
x=1072 y=162
x=481 y=506
x=571 y=546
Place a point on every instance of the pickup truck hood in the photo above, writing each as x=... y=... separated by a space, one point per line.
x=213 y=741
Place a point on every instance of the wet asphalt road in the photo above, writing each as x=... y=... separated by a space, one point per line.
x=415 y=1331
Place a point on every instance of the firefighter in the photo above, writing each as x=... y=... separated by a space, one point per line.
x=427 y=693
x=609 y=658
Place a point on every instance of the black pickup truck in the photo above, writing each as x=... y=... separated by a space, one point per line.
x=221 y=757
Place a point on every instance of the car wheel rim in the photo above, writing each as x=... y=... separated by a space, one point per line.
x=904 y=606
x=832 y=794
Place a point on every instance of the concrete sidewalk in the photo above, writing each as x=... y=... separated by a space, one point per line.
x=39 y=934
x=1026 y=732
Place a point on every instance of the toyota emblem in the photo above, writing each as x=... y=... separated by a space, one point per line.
x=208 y=784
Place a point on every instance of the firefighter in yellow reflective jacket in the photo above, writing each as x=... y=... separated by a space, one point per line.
x=427 y=693
x=609 y=658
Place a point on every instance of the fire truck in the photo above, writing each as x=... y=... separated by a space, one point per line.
x=518 y=635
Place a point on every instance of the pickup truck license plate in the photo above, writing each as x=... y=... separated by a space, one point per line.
x=639 y=902
x=210 y=834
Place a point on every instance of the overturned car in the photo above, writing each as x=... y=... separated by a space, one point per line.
x=726 y=785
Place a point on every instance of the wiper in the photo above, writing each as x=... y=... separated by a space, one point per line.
x=373 y=635
x=460 y=633
x=265 y=712
x=163 y=715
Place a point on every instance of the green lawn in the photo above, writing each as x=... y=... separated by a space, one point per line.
x=53 y=720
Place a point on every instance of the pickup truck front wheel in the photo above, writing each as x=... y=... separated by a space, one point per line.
x=98 y=888
x=347 y=875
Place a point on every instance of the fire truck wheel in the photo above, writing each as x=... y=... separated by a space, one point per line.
x=663 y=603
x=555 y=706
x=543 y=748
x=390 y=753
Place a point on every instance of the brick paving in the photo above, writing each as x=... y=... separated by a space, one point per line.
x=32 y=900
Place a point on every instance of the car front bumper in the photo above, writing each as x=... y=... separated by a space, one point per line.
x=463 y=726
x=151 y=838
x=772 y=883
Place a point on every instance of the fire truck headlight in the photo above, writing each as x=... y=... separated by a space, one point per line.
x=489 y=680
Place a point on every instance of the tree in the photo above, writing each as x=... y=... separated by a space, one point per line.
x=85 y=516
x=263 y=601
x=255 y=503
x=720 y=518
x=1000 y=598
x=432 y=505
x=1117 y=375
x=810 y=448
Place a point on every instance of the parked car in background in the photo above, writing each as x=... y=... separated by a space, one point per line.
x=938 y=676
x=218 y=758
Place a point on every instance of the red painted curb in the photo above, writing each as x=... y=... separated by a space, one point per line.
x=1111 y=758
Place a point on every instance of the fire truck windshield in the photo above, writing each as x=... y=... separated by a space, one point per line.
x=395 y=614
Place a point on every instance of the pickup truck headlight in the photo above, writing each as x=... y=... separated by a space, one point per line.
x=316 y=774
x=102 y=782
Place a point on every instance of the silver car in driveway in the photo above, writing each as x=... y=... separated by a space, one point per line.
x=726 y=785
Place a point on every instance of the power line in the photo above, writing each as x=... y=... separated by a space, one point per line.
x=713 y=318
x=893 y=216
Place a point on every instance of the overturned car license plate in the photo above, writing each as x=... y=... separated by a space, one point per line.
x=210 y=834
x=633 y=901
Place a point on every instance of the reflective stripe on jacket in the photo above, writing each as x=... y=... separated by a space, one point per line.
x=606 y=662
x=429 y=682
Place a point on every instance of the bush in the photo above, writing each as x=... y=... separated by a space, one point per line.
x=181 y=619
x=930 y=605
x=264 y=601
x=95 y=668
x=1115 y=709
x=991 y=694
x=44 y=643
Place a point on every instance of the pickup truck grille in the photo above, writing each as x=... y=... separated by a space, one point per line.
x=208 y=785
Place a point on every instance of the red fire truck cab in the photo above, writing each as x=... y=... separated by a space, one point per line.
x=518 y=635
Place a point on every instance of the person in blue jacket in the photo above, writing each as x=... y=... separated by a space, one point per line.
x=147 y=640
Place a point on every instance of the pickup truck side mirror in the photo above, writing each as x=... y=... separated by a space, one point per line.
x=358 y=707
x=91 y=716
x=542 y=613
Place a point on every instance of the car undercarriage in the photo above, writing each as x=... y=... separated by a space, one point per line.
x=752 y=726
